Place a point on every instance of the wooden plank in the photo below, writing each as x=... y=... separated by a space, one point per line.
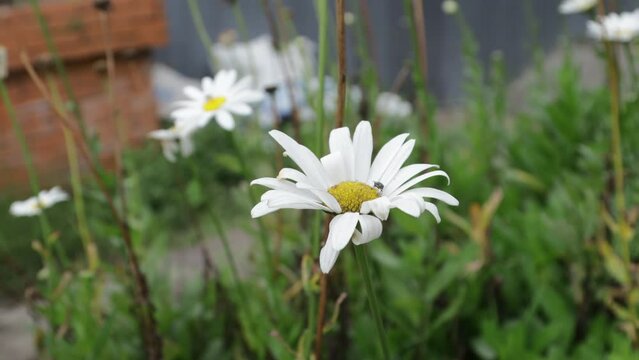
x=77 y=30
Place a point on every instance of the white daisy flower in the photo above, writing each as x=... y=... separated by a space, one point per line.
x=621 y=27
x=176 y=139
x=450 y=7
x=259 y=58
x=218 y=98
x=35 y=204
x=347 y=184
x=391 y=105
x=576 y=6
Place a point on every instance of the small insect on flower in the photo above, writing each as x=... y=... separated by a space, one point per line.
x=35 y=204
x=218 y=98
x=623 y=27
x=346 y=183
x=378 y=185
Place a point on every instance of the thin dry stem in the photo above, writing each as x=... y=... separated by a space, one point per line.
x=321 y=310
x=152 y=340
x=341 y=59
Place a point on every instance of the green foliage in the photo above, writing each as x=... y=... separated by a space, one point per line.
x=527 y=267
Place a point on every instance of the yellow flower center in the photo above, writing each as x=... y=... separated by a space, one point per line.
x=352 y=194
x=213 y=104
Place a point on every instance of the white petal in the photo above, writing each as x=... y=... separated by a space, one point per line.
x=224 y=80
x=335 y=168
x=194 y=93
x=242 y=85
x=363 y=149
x=380 y=207
x=341 y=230
x=169 y=149
x=204 y=119
x=186 y=146
x=225 y=120
x=431 y=208
x=405 y=174
x=371 y=229
x=409 y=205
x=433 y=194
x=327 y=258
x=249 y=96
x=292 y=174
x=207 y=85
x=304 y=158
x=186 y=112
x=239 y=108
x=399 y=160
x=340 y=142
x=261 y=209
x=385 y=156
x=324 y=196
x=419 y=179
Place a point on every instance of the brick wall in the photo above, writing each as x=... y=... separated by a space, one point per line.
x=137 y=25
x=134 y=101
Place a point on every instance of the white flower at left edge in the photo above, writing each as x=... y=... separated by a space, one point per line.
x=623 y=27
x=35 y=204
x=346 y=183
x=576 y=6
x=177 y=138
x=219 y=98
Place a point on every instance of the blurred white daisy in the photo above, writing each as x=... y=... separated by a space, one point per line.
x=346 y=183
x=218 y=98
x=353 y=94
x=35 y=204
x=450 y=7
x=176 y=139
x=391 y=105
x=576 y=6
x=621 y=27
x=268 y=66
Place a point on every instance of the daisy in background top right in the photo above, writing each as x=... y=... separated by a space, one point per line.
x=616 y=27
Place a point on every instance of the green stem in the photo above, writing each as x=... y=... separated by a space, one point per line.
x=630 y=58
x=615 y=128
x=246 y=172
x=362 y=260
x=59 y=66
x=244 y=35
x=202 y=33
x=34 y=183
x=219 y=227
x=90 y=249
x=322 y=14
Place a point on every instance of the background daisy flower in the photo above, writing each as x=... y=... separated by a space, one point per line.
x=621 y=27
x=35 y=204
x=177 y=138
x=219 y=98
x=346 y=183
x=391 y=105
x=576 y=6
